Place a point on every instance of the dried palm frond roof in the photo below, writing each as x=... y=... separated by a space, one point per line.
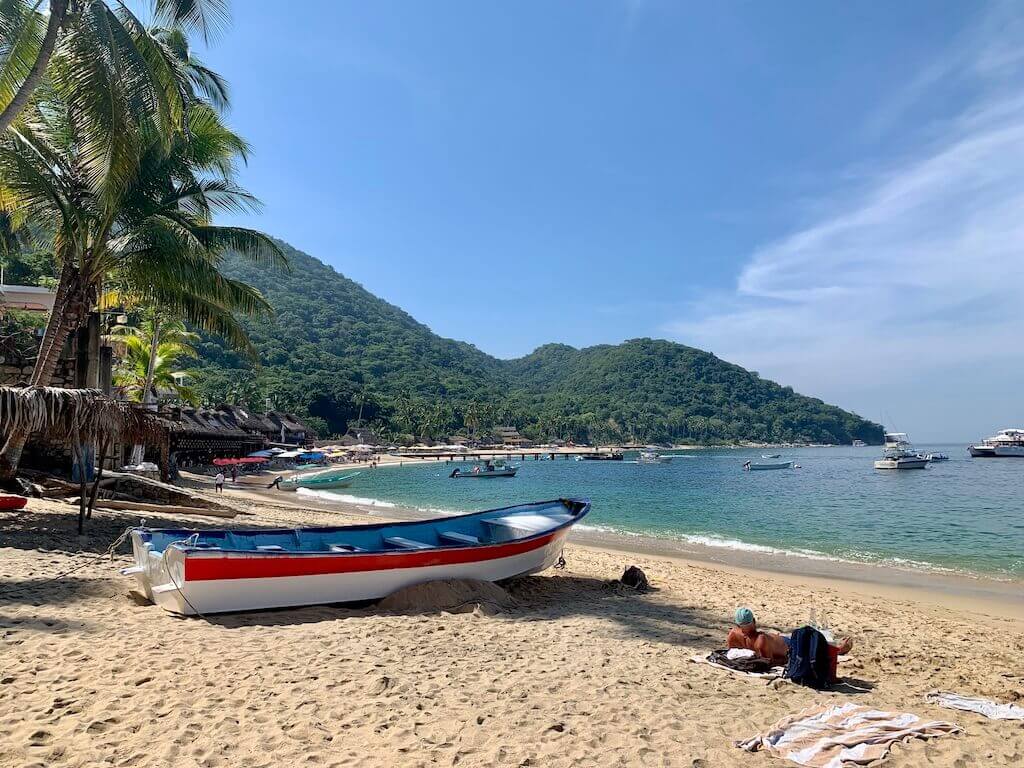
x=83 y=414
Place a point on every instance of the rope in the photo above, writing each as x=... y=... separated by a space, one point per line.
x=191 y=540
x=108 y=552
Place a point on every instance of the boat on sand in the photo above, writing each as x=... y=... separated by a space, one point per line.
x=321 y=481
x=210 y=571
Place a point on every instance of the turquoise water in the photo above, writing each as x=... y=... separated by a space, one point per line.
x=965 y=514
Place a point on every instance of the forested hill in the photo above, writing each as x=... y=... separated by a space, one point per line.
x=334 y=348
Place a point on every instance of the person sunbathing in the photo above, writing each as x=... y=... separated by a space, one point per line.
x=772 y=645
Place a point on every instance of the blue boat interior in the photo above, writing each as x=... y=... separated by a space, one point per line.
x=475 y=529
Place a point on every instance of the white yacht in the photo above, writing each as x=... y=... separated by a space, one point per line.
x=898 y=453
x=1007 y=443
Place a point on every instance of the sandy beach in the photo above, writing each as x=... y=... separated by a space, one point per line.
x=578 y=673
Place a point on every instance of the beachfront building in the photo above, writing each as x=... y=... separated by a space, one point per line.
x=197 y=436
x=87 y=362
x=510 y=438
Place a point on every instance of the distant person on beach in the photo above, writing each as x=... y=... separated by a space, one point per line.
x=770 y=645
x=234 y=474
x=218 y=483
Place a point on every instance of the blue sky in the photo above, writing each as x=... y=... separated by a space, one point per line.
x=829 y=193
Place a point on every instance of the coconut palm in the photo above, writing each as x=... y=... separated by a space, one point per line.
x=149 y=362
x=153 y=230
x=97 y=36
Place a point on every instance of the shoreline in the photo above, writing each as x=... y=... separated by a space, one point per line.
x=973 y=593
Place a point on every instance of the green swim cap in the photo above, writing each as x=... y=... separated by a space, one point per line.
x=744 y=616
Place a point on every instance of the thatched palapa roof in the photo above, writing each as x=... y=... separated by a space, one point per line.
x=71 y=414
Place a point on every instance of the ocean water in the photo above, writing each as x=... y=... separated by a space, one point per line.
x=963 y=515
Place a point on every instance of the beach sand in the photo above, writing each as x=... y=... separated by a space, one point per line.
x=579 y=673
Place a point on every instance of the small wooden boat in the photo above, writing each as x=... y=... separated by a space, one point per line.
x=12 y=502
x=211 y=571
x=752 y=465
x=321 y=481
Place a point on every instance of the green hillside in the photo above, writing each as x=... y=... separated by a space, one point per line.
x=334 y=348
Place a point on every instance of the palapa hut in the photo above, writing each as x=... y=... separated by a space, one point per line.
x=82 y=425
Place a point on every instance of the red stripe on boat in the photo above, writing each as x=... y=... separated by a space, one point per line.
x=206 y=568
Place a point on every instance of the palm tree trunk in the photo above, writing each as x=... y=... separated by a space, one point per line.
x=70 y=307
x=147 y=398
x=58 y=13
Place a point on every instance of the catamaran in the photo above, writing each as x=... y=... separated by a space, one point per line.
x=898 y=453
x=211 y=571
x=1008 y=443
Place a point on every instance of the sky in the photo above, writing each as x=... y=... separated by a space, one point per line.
x=828 y=193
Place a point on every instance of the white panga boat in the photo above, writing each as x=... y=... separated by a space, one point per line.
x=487 y=469
x=756 y=465
x=771 y=455
x=934 y=457
x=319 y=480
x=214 y=571
x=1007 y=443
x=652 y=457
x=898 y=453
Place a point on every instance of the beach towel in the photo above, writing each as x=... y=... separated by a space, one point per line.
x=985 y=707
x=843 y=735
x=713 y=659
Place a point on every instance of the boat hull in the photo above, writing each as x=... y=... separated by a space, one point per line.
x=1009 y=451
x=778 y=465
x=981 y=451
x=906 y=463
x=318 y=483
x=484 y=475
x=186 y=579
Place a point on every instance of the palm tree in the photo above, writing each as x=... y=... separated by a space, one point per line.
x=91 y=34
x=153 y=229
x=150 y=360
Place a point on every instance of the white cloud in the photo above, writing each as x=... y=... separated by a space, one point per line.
x=901 y=290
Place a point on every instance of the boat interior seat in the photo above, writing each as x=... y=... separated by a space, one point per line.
x=403 y=543
x=344 y=548
x=458 y=538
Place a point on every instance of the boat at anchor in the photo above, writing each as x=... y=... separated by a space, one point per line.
x=212 y=571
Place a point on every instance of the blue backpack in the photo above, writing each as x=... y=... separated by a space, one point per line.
x=809 y=658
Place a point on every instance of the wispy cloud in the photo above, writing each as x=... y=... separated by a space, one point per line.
x=918 y=274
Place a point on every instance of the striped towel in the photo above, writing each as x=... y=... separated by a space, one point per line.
x=843 y=735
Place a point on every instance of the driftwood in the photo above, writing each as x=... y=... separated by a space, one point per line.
x=138 y=506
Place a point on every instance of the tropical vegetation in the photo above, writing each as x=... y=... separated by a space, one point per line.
x=118 y=159
x=338 y=354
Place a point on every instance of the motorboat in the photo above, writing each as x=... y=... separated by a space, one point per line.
x=858 y=444
x=898 y=453
x=760 y=465
x=770 y=455
x=321 y=481
x=600 y=456
x=1007 y=443
x=651 y=457
x=211 y=571
x=485 y=470
x=934 y=457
